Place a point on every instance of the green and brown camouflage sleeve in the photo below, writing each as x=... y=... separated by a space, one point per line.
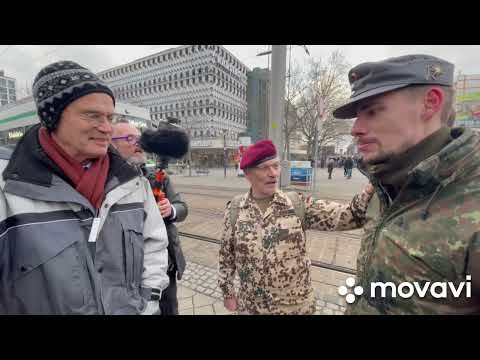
x=327 y=215
x=226 y=257
x=473 y=264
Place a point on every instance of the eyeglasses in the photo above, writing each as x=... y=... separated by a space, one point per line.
x=97 y=118
x=131 y=139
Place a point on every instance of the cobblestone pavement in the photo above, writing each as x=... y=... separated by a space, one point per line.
x=198 y=294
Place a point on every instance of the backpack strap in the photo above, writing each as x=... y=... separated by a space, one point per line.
x=298 y=205
x=235 y=210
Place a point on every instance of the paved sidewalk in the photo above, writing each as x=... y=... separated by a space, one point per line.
x=198 y=294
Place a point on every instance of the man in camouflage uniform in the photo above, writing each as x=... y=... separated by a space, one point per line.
x=425 y=215
x=265 y=241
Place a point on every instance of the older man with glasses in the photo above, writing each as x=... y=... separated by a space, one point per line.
x=172 y=208
x=125 y=139
x=80 y=230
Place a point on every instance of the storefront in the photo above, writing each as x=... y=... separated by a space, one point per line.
x=17 y=118
x=210 y=153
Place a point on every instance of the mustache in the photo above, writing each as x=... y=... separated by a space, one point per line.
x=364 y=140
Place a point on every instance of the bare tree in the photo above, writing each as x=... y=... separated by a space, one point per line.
x=297 y=85
x=322 y=81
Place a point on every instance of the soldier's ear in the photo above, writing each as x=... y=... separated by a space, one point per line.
x=433 y=101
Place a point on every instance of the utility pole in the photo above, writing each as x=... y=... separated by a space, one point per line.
x=224 y=153
x=277 y=104
x=189 y=157
x=318 y=124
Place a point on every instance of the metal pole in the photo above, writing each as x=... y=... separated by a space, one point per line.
x=277 y=102
x=315 y=142
x=189 y=156
x=224 y=154
x=287 y=142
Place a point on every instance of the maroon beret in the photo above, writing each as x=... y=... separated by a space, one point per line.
x=257 y=153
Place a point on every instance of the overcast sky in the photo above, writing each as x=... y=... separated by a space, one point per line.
x=24 y=61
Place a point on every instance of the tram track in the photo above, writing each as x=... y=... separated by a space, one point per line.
x=316 y=263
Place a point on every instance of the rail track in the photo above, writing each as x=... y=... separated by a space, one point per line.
x=315 y=263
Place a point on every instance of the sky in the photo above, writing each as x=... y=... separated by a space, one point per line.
x=24 y=61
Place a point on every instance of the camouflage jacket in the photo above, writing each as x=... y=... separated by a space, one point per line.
x=269 y=250
x=429 y=233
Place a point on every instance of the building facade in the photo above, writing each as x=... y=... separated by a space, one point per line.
x=258 y=91
x=467 y=88
x=17 y=118
x=7 y=89
x=204 y=86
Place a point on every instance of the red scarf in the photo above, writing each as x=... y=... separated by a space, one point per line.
x=88 y=182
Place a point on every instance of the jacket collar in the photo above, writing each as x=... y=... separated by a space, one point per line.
x=451 y=162
x=30 y=164
x=279 y=198
x=31 y=173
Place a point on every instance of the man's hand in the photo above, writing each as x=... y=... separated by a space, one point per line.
x=230 y=303
x=165 y=208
